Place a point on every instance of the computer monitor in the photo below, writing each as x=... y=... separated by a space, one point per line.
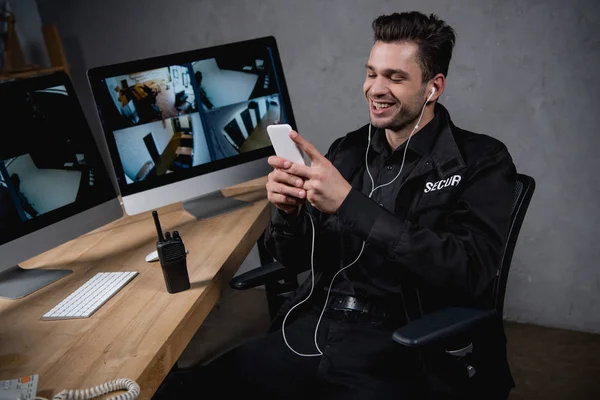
x=181 y=127
x=54 y=186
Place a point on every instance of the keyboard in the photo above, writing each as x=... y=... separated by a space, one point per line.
x=90 y=296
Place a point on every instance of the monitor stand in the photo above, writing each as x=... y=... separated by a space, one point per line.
x=17 y=282
x=212 y=204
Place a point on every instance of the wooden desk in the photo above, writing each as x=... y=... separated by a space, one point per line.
x=141 y=332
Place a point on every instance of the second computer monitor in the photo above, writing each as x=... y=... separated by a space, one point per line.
x=54 y=185
x=187 y=124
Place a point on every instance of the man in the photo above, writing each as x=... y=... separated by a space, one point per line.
x=409 y=214
x=9 y=215
x=203 y=96
x=23 y=201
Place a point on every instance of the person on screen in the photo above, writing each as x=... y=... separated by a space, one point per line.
x=150 y=94
x=203 y=97
x=409 y=215
x=9 y=216
x=23 y=202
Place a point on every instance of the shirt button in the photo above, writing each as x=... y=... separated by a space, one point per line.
x=389 y=167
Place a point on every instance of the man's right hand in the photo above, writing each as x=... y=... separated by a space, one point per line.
x=284 y=190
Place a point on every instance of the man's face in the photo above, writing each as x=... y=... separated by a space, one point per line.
x=393 y=85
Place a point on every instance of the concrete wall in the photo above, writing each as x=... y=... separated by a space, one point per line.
x=523 y=71
x=28 y=25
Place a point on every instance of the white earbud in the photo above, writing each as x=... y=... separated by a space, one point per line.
x=431 y=95
x=426 y=101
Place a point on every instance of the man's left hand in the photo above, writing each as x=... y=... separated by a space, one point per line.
x=325 y=187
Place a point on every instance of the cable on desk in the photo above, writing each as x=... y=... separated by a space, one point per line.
x=133 y=391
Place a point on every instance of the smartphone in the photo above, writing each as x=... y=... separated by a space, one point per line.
x=284 y=145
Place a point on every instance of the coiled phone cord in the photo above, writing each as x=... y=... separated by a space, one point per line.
x=133 y=391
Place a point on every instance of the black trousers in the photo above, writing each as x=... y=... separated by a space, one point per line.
x=360 y=361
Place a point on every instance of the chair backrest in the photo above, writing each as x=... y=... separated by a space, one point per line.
x=522 y=196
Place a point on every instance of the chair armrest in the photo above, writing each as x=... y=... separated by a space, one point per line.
x=440 y=324
x=259 y=276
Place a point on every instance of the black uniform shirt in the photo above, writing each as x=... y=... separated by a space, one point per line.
x=384 y=165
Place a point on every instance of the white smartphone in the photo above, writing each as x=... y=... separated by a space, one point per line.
x=284 y=145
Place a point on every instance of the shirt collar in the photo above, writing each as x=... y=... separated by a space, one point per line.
x=421 y=142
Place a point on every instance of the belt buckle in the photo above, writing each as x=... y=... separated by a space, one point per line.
x=350 y=303
x=338 y=303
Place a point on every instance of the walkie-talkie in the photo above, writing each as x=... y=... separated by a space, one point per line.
x=172 y=257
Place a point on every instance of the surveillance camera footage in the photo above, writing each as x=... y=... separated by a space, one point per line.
x=178 y=117
x=46 y=162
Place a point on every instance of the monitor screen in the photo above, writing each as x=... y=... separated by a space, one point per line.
x=171 y=118
x=50 y=167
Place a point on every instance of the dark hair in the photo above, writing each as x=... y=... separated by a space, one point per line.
x=434 y=37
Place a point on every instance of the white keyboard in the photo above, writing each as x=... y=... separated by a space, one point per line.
x=90 y=296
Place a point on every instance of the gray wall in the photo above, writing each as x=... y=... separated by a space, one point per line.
x=523 y=71
x=28 y=27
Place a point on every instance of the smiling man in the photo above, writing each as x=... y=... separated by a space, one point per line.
x=408 y=214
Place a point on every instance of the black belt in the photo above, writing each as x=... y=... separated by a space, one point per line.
x=354 y=305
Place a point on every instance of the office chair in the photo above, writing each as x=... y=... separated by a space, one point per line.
x=445 y=323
